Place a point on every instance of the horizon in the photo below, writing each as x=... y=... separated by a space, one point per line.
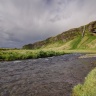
x=23 y=22
x=41 y=40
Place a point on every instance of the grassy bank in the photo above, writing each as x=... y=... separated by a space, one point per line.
x=8 y=55
x=89 y=86
x=20 y=54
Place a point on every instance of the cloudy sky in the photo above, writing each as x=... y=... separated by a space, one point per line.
x=28 y=21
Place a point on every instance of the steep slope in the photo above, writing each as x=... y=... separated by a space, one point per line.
x=83 y=37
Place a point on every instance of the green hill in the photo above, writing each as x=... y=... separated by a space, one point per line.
x=83 y=37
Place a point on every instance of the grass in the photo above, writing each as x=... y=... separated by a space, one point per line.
x=8 y=55
x=75 y=42
x=89 y=86
x=88 y=42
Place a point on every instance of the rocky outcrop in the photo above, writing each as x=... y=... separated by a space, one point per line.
x=65 y=36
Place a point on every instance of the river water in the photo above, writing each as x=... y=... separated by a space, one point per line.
x=52 y=76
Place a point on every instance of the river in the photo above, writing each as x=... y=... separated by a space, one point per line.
x=52 y=76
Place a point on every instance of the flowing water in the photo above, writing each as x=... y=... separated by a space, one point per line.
x=52 y=76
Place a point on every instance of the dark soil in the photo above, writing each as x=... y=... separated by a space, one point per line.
x=53 y=76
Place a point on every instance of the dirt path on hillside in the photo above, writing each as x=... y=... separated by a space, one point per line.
x=53 y=76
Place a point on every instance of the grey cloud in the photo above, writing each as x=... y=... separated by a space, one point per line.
x=27 y=21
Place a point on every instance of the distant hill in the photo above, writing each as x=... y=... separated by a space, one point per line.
x=83 y=37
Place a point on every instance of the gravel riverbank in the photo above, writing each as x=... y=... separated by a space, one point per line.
x=52 y=76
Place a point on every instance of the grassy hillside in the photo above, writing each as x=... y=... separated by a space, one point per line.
x=88 y=42
x=83 y=37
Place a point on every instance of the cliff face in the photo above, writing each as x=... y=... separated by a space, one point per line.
x=89 y=29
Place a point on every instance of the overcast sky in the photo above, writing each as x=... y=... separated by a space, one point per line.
x=28 y=21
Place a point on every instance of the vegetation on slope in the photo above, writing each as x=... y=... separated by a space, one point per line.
x=88 y=42
x=74 y=34
x=89 y=86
